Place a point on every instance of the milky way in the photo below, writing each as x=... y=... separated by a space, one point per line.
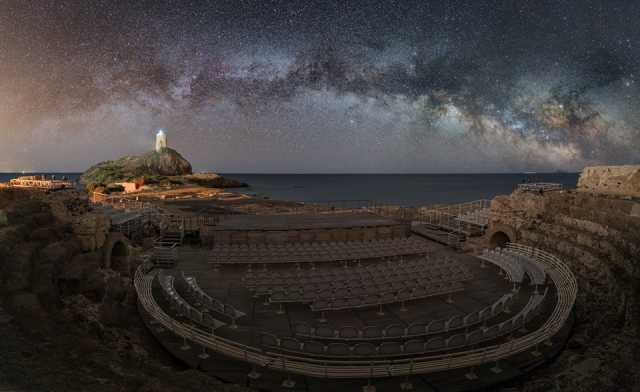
x=331 y=86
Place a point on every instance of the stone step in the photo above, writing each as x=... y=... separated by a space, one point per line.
x=5 y=318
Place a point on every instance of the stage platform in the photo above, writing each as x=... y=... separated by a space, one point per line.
x=303 y=221
x=302 y=228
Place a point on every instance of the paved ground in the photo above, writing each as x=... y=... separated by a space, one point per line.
x=302 y=221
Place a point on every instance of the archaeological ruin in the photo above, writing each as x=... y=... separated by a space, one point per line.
x=377 y=297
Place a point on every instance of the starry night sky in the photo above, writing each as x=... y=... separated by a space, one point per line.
x=322 y=86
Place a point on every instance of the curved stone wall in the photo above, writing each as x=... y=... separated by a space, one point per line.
x=598 y=237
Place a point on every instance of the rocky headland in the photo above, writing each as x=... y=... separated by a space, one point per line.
x=152 y=165
x=155 y=170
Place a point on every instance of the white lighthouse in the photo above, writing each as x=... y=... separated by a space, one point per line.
x=161 y=140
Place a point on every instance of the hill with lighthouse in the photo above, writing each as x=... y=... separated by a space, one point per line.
x=162 y=166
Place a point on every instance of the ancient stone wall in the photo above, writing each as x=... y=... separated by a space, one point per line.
x=599 y=237
x=611 y=180
x=91 y=230
x=51 y=247
x=67 y=323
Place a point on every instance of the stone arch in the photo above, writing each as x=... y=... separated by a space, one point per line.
x=117 y=254
x=499 y=239
x=500 y=235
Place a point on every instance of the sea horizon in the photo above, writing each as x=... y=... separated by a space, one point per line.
x=320 y=173
x=406 y=189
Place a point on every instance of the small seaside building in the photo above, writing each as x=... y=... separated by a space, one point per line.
x=132 y=186
x=40 y=182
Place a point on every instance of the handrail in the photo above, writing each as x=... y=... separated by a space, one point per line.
x=539 y=187
x=559 y=273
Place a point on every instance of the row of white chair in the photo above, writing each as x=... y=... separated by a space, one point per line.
x=210 y=303
x=413 y=346
x=182 y=307
x=413 y=330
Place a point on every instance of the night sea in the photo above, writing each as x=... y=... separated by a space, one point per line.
x=398 y=189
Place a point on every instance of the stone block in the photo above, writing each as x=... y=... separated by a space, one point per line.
x=399 y=231
x=18 y=270
x=611 y=180
x=239 y=237
x=293 y=236
x=4 y=220
x=87 y=243
x=77 y=267
x=222 y=237
x=256 y=237
x=56 y=252
x=339 y=235
x=354 y=234
x=276 y=236
x=384 y=232
x=306 y=236
x=324 y=235
x=43 y=281
x=26 y=304
x=369 y=234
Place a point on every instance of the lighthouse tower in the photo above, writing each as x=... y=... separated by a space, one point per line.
x=161 y=140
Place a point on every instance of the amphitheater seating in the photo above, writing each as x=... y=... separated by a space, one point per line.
x=265 y=282
x=536 y=273
x=512 y=266
x=164 y=254
x=370 y=285
x=413 y=346
x=385 y=297
x=516 y=265
x=478 y=217
x=183 y=307
x=339 y=366
x=414 y=330
x=309 y=252
x=211 y=303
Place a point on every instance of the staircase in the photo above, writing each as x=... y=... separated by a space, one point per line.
x=165 y=249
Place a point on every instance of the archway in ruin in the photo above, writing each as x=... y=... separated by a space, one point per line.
x=499 y=239
x=120 y=257
x=116 y=253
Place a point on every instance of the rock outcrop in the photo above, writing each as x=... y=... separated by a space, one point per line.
x=3 y=218
x=91 y=230
x=167 y=162
x=67 y=322
x=611 y=180
x=212 y=180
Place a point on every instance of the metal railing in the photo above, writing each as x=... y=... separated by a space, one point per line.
x=539 y=187
x=118 y=202
x=307 y=207
x=45 y=185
